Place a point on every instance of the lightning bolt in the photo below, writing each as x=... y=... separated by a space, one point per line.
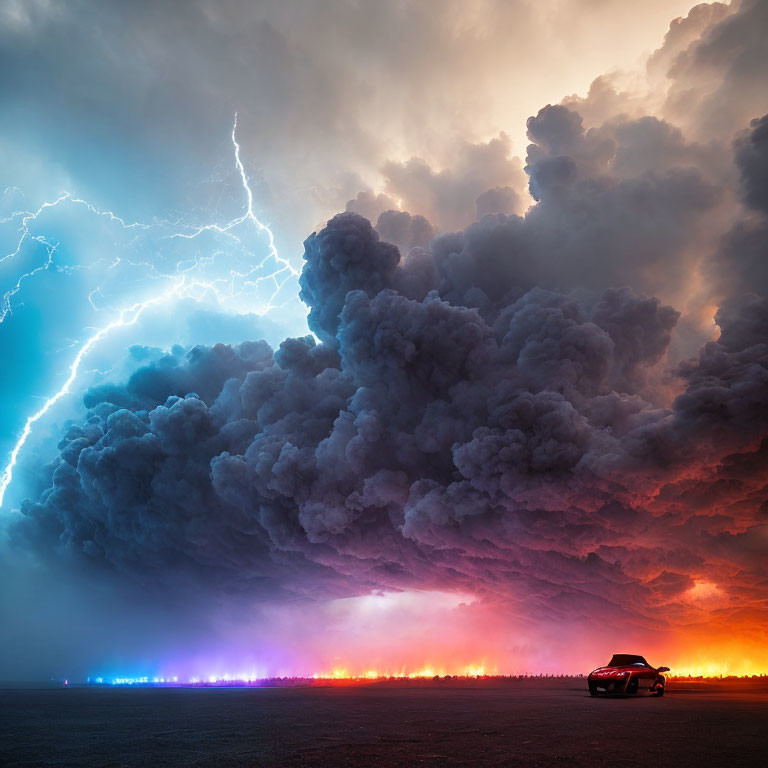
x=182 y=284
x=127 y=316
x=26 y=219
x=286 y=270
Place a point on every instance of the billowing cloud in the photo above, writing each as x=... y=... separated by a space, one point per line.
x=132 y=112
x=500 y=424
x=560 y=412
x=469 y=187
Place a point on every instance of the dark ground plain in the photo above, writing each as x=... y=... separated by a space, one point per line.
x=549 y=722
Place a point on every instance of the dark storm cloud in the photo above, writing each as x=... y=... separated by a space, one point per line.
x=738 y=267
x=706 y=78
x=459 y=425
x=717 y=74
x=752 y=159
x=493 y=413
x=345 y=256
x=626 y=204
x=404 y=231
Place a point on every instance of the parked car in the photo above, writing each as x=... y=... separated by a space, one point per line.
x=627 y=674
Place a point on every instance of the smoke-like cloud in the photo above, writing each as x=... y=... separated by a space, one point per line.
x=532 y=409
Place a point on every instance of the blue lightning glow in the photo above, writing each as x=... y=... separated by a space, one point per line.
x=26 y=218
x=186 y=279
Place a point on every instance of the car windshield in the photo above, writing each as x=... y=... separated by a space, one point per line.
x=626 y=660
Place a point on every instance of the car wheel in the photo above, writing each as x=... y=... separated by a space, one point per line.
x=659 y=691
x=592 y=690
x=632 y=685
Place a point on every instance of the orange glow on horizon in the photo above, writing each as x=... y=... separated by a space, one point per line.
x=426 y=672
x=711 y=665
x=419 y=635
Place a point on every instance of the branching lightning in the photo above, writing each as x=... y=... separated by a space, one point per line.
x=183 y=280
x=127 y=316
x=286 y=269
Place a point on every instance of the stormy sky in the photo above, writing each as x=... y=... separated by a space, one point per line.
x=383 y=336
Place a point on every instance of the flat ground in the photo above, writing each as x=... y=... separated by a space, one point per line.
x=446 y=723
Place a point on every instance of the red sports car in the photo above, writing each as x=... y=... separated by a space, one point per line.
x=625 y=674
